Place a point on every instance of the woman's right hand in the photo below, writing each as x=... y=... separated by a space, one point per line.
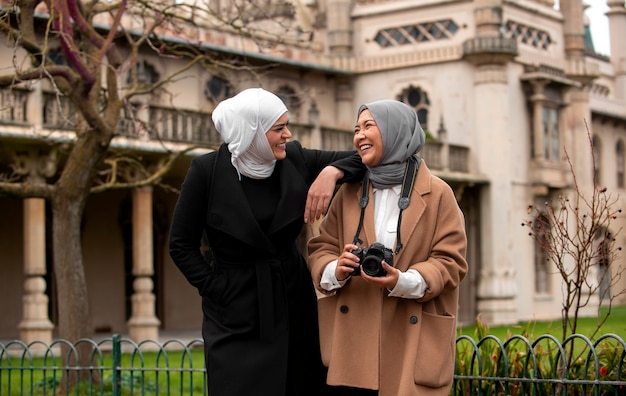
x=346 y=263
x=320 y=193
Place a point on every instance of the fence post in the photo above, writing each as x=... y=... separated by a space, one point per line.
x=117 y=362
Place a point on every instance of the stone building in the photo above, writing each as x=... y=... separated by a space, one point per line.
x=507 y=89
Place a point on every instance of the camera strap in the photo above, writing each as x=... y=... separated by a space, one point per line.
x=410 y=173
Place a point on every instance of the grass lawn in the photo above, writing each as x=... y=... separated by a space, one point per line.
x=615 y=324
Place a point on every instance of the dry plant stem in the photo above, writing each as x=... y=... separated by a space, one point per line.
x=576 y=234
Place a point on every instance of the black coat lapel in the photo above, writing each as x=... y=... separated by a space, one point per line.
x=293 y=192
x=229 y=210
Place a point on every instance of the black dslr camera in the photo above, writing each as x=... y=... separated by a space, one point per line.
x=371 y=259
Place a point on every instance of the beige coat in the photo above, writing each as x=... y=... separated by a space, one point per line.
x=402 y=347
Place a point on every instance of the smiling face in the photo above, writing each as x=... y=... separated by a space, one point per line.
x=278 y=135
x=367 y=139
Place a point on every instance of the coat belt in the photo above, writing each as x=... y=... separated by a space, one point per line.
x=265 y=288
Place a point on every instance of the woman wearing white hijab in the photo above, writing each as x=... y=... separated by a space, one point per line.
x=388 y=323
x=247 y=199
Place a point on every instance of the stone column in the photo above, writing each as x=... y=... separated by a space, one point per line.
x=339 y=27
x=35 y=324
x=345 y=112
x=143 y=323
x=497 y=288
x=617 y=29
x=573 y=27
x=538 y=99
x=490 y=53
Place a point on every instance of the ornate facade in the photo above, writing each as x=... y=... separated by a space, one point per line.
x=507 y=90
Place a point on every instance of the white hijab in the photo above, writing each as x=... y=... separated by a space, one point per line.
x=242 y=121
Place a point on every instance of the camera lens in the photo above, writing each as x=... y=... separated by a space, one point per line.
x=372 y=265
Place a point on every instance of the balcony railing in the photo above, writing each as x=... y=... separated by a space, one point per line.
x=159 y=123
x=335 y=139
x=443 y=156
x=172 y=125
x=58 y=112
x=13 y=106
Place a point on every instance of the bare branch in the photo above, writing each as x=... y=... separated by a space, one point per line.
x=60 y=71
x=146 y=178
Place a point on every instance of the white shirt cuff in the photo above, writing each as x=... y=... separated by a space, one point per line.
x=329 y=282
x=410 y=284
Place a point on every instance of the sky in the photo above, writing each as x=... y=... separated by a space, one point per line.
x=599 y=24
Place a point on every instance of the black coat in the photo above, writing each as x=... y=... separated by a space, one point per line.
x=260 y=320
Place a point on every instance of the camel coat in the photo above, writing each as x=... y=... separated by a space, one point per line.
x=402 y=347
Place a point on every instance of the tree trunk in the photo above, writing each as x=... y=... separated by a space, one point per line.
x=68 y=204
x=74 y=318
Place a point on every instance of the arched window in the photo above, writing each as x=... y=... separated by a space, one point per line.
x=597 y=153
x=619 y=158
x=145 y=74
x=604 y=250
x=217 y=89
x=419 y=100
x=289 y=96
x=542 y=259
x=57 y=57
x=551 y=133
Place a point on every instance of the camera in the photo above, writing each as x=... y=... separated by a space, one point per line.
x=371 y=259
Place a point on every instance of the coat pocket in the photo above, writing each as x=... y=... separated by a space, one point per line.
x=214 y=285
x=434 y=363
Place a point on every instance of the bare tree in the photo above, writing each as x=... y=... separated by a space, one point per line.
x=101 y=42
x=575 y=233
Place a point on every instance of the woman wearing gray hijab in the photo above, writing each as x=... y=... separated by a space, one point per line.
x=248 y=201
x=389 y=259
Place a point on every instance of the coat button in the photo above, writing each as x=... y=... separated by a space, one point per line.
x=343 y=309
x=413 y=319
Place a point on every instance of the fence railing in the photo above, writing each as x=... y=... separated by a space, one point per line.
x=543 y=366
x=119 y=366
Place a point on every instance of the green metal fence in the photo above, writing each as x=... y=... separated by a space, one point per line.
x=544 y=366
x=112 y=366
x=119 y=366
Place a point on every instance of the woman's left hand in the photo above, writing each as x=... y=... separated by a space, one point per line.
x=388 y=281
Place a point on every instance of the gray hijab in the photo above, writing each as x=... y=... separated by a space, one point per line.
x=402 y=137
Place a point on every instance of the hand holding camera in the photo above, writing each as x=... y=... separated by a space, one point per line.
x=371 y=259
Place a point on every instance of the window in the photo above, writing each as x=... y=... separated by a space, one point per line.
x=527 y=35
x=424 y=32
x=551 y=134
x=217 y=89
x=604 y=242
x=619 y=157
x=419 y=100
x=145 y=74
x=290 y=98
x=546 y=100
x=597 y=154
x=57 y=57
x=542 y=260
